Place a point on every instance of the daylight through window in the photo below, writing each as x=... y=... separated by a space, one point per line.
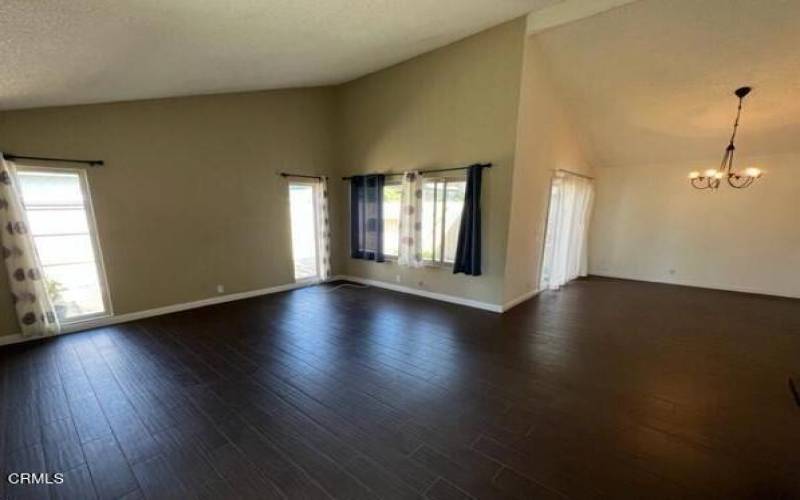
x=443 y=202
x=392 y=192
x=62 y=225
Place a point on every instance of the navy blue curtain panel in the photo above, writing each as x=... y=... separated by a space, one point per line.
x=468 y=251
x=366 y=217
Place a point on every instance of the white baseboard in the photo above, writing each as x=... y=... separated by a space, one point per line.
x=11 y=339
x=160 y=311
x=486 y=306
x=695 y=284
x=519 y=300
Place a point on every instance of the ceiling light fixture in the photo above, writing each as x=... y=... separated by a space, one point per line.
x=711 y=178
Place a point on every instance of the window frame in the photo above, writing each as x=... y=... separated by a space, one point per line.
x=445 y=178
x=91 y=222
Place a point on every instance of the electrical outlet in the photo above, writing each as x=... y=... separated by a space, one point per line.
x=397 y=278
x=220 y=288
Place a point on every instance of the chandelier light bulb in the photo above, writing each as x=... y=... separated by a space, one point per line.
x=752 y=172
x=719 y=175
x=711 y=172
x=694 y=175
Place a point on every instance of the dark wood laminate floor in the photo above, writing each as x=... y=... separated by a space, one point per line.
x=606 y=389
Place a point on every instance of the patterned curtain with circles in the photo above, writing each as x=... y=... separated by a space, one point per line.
x=323 y=226
x=411 y=221
x=35 y=311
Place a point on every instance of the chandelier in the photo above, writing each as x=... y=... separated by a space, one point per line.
x=711 y=178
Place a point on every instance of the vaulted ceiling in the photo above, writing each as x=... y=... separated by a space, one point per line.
x=652 y=81
x=77 y=51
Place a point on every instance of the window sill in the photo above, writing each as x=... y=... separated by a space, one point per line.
x=437 y=265
x=425 y=265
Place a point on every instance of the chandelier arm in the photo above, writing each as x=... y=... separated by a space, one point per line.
x=695 y=184
x=739 y=182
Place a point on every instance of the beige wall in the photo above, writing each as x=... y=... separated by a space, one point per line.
x=451 y=107
x=546 y=141
x=649 y=224
x=189 y=197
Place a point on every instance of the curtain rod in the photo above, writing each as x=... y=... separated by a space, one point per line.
x=422 y=172
x=573 y=173
x=91 y=163
x=285 y=174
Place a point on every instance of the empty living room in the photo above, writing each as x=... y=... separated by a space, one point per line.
x=419 y=249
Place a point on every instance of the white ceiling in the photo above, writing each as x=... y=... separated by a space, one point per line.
x=57 y=52
x=652 y=82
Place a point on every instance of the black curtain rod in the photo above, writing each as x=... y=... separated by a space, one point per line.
x=284 y=174
x=422 y=172
x=91 y=163
x=576 y=174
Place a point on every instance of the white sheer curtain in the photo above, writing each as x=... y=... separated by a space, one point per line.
x=35 y=311
x=410 y=252
x=323 y=228
x=565 y=252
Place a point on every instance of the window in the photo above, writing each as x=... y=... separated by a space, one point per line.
x=59 y=212
x=392 y=192
x=442 y=204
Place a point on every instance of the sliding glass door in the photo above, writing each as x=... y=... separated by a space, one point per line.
x=302 y=200
x=565 y=246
